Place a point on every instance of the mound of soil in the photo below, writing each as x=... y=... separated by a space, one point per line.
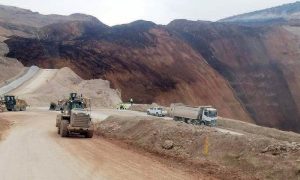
x=63 y=82
x=224 y=155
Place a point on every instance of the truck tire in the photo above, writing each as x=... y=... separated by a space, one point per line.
x=89 y=134
x=194 y=122
x=23 y=109
x=63 y=128
x=186 y=120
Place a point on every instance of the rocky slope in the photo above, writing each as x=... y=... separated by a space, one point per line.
x=9 y=67
x=22 y=22
x=259 y=62
x=141 y=59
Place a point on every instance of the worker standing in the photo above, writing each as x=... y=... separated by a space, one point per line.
x=131 y=101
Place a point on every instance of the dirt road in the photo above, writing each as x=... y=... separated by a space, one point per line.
x=33 y=150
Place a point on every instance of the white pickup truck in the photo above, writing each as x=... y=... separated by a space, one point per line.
x=157 y=111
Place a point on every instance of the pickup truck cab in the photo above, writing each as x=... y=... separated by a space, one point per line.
x=157 y=111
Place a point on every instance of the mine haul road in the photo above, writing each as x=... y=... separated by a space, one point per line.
x=32 y=149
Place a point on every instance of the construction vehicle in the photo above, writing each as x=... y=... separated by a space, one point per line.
x=75 y=118
x=157 y=111
x=57 y=106
x=11 y=103
x=202 y=115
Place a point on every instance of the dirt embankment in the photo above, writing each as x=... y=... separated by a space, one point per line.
x=258 y=130
x=222 y=155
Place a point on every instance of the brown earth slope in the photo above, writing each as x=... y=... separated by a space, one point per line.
x=141 y=59
x=260 y=64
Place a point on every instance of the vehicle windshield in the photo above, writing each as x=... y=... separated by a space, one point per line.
x=77 y=105
x=212 y=114
x=8 y=98
x=159 y=109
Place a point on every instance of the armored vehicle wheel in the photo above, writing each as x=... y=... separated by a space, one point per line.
x=63 y=128
x=89 y=134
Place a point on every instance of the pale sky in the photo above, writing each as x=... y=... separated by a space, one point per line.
x=112 y=12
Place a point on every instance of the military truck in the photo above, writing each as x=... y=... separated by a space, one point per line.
x=75 y=118
x=11 y=103
x=202 y=115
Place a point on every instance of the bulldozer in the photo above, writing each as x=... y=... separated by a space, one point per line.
x=75 y=118
x=11 y=103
